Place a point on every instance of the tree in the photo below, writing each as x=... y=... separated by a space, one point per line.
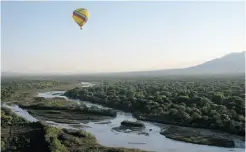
x=218 y=97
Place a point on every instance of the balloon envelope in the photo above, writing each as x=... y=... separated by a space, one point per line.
x=81 y=16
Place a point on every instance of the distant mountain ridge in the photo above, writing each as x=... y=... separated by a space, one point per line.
x=233 y=63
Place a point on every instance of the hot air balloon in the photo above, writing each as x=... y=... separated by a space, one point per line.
x=81 y=16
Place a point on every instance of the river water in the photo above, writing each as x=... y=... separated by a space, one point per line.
x=108 y=137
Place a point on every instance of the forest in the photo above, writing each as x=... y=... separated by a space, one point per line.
x=204 y=102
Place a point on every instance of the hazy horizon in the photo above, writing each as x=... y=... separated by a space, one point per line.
x=119 y=36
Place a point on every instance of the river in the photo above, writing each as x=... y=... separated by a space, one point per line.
x=107 y=137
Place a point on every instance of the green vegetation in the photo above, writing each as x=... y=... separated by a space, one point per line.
x=54 y=103
x=63 y=111
x=20 y=135
x=19 y=90
x=194 y=136
x=132 y=124
x=66 y=140
x=205 y=102
x=9 y=118
x=214 y=103
x=51 y=138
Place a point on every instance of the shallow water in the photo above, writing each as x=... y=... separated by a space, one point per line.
x=21 y=112
x=108 y=137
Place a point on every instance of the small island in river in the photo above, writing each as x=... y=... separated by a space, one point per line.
x=197 y=137
x=132 y=124
x=62 y=111
x=129 y=126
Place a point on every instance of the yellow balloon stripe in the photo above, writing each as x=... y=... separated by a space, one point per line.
x=79 y=21
x=83 y=11
x=80 y=15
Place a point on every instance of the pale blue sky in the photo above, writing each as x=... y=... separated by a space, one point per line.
x=120 y=36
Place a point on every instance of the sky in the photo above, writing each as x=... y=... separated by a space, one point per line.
x=42 y=37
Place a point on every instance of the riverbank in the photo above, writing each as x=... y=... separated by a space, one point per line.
x=197 y=135
x=219 y=137
x=24 y=90
x=172 y=123
x=218 y=134
x=67 y=140
x=129 y=140
x=154 y=119
x=199 y=110
x=17 y=134
x=102 y=130
x=21 y=135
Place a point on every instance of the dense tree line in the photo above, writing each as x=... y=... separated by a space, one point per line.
x=215 y=103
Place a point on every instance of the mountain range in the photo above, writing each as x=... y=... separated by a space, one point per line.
x=233 y=63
